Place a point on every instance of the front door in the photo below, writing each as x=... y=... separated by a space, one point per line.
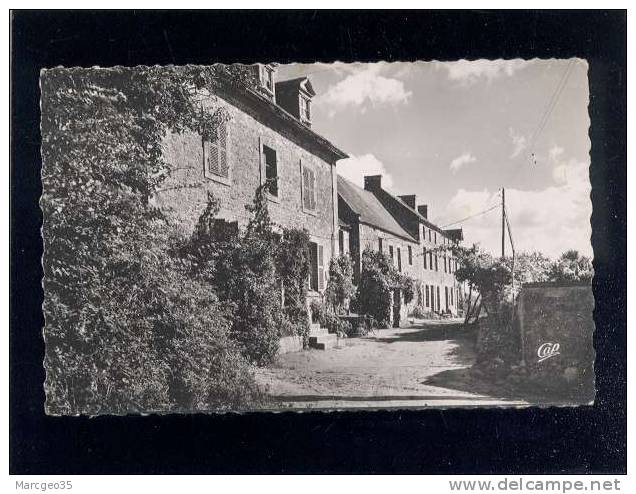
x=396 y=308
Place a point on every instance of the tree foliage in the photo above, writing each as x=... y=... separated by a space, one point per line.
x=378 y=278
x=121 y=311
x=340 y=287
x=571 y=266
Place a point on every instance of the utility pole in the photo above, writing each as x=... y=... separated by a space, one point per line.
x=503 y=222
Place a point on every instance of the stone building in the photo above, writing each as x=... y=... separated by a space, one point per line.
x=267 y=137
x=439 y=290
x=373 y=217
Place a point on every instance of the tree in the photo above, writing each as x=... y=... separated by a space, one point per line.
x=571 y=266
x=116 y=301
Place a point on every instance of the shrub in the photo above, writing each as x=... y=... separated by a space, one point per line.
x=374 y=292
x=122 y=315
x=318 y=310
x=245 y=277
x=340 y=287
x=292 y=271
x=419 y=312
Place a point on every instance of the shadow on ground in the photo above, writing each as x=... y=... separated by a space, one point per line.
x=471 y=380
x=464 y=337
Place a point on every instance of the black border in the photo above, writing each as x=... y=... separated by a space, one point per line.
x=587 y=439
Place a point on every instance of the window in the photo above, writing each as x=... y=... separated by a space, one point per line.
x=271 y=170
x=445 y=267
x=438 y=301
x=308 y=188
x=267 y=78
x=446 y=296
x=379 y=245
x=391 y=252
x=430 y=260
x=399 y=255
x=305 y=109
x=215 y=155
x=435 y=237
x=432 y=290
x=341 y=241
x=410 y=256
x=436 y=259
x=429 y=234
x=426 y=293
x=424 y=256
x=317 y=273
x=451 y=296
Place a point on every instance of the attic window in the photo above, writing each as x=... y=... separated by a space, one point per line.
x=305 y=109
x=267 y=78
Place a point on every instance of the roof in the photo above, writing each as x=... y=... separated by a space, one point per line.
x=456 y=234
x=369 y=209
x=302 y=82
x=282 y=116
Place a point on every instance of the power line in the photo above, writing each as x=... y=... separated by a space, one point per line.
x=471 y=216
x=550 y=106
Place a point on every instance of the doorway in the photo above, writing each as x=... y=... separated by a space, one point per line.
x=396 y=307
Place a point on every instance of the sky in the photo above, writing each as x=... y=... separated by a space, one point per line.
x=455 y=133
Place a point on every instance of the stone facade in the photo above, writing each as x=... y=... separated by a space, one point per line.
x=439 y=290
x=254 y=123
x=556 y=329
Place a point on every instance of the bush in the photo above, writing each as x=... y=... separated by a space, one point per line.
x=246 y=278
x=127 y=329
x=318 y=310
x=340 y=287
x=419 y=312
x=292 y=271
x=376 y=281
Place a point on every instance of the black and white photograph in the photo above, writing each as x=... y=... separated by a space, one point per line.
x=331 y=236
x=253 y=241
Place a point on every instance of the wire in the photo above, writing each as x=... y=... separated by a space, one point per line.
x=472 y=216
x=550 y=106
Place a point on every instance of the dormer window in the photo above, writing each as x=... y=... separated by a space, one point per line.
x=305 y=109
x=294 y=96
x=267 y=79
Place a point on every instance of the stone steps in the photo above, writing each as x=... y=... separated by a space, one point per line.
x=322 y=341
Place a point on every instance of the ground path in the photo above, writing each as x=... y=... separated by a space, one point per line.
x=390 y=368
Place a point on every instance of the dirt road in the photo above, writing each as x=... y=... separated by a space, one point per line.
x=391 y=368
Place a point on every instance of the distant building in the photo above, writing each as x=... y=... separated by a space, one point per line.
x=267 y=138
x=372 y=217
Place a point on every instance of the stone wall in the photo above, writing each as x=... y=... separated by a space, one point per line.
x=556 y=332
x=184 y=194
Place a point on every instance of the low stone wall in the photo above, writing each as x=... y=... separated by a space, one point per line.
x=556 y=329
x=290 y=344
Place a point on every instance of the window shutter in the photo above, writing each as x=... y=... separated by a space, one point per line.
x=321 y=269
x=313 y=189
x=222 y=147
x=217 y=155
x=309 y=188
x=306 y=191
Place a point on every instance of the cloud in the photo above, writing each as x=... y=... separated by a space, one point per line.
x=519 y=143
x=469 y=72
x=551 y=220
x=355 y=168
x=460 y=161
x=555 y=153
x=364 y=88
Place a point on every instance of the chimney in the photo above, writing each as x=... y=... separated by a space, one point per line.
x=409 y=200
x=372 y=182
x=423 y=210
